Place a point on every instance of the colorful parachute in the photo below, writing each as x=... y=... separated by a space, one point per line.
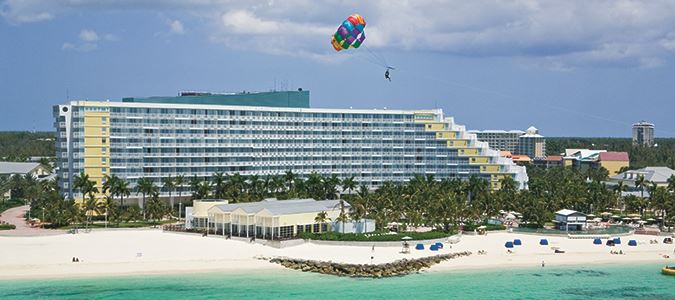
x=350 y=33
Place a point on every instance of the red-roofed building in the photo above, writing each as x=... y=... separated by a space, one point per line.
x=613 y=161
x=549 y=161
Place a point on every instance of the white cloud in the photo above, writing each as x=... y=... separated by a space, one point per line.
x=84 y=47
x=561 y=34
x=177 y=27
x=88 y=35
x=89 y=41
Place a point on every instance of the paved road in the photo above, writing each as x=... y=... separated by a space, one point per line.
x=16 y=216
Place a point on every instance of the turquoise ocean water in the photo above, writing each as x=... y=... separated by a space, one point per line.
x=582 y=282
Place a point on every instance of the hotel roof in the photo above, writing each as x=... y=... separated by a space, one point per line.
x=614 y=156
x=17 y=167
x=282 y=207
x=653 y=174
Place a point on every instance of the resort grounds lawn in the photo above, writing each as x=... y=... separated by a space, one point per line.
x=373 y=237
x=139 y=224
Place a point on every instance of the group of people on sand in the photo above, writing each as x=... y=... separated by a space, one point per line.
x=654 y=241
x=76 y=259
x=482 y=252
x=620 y=252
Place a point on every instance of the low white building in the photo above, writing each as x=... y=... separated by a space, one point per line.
x=274 y=219
x=567 y=219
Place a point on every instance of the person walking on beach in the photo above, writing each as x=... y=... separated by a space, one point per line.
x=373 y=248
x=543 y=264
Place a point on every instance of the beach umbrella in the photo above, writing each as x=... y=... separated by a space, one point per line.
x=632 y=243
x=439 y=245
x=590 y=215
x=606 y=213
x=517 y=242
x=597 y=242
x=617 y=241
x=406 y=238
x=543 y=242
x=615 y=217
x=636 y=218
x=651 y=220
x=433 y=247
x=610 y=243
x=633 y=215
x=626 y=219
x=508 y=244
x=419 y=247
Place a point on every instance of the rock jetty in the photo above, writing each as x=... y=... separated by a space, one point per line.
x=396 y=268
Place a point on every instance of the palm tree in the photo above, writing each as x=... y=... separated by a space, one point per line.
x=169 y=185
x=321 y=218
x=80 y=182
x=145 y=186
x=122 y=189
x=290 y=178
x=219 y=185
x=348 y=184
x=641 y=183
x=178 y=182
x=671 y=183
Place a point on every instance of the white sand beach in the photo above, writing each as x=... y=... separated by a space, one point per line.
x=124 y=252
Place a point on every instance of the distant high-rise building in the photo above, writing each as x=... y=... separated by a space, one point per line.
x=643 y=134
x=518 y=142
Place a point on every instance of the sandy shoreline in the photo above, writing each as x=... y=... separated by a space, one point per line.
x=153 y=252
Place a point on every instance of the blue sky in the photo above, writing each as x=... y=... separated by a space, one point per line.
x=570 y=68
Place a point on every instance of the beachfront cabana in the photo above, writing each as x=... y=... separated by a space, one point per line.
x=567 y=219
x=632 y=243
x=543 y=242
x=617 y=241
x=597 y=242
x=517 y=242
x=433 y=247
x=419 y=247
x=508 y=244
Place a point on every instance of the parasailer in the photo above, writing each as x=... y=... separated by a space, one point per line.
x=350 y=33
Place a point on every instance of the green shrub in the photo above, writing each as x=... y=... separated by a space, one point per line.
x=488 y=227
x=372 y=237
x=7 y=227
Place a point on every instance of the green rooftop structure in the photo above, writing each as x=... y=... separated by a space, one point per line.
x=299 y=99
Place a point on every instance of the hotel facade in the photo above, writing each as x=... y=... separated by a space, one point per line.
x=197 y=134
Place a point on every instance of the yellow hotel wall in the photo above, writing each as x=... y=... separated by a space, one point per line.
x=489 y=169
x=479 y=160
x=457 y=143
x=467 y=152
x=94 y=136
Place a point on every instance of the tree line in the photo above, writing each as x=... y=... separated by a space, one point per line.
x=661 y=155
x=422 y=201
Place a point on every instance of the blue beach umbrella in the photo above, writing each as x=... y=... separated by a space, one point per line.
x=632 y=243
x=597 y=242
x=543 y=242
x=439 y=245
x=419 y=247
x=508 y=244
x=617 y=241
x=517 y=242
x=433 y=247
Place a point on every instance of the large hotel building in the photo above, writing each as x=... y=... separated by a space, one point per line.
x=269 y=133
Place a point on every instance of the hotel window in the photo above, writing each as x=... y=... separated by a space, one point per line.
x=103 y=130
x=103 y=160
x=103 y=170
x=104 y=120
x=103 y=141
x=103 y=150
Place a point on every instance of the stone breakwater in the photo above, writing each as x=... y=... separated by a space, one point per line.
x=396 y=268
